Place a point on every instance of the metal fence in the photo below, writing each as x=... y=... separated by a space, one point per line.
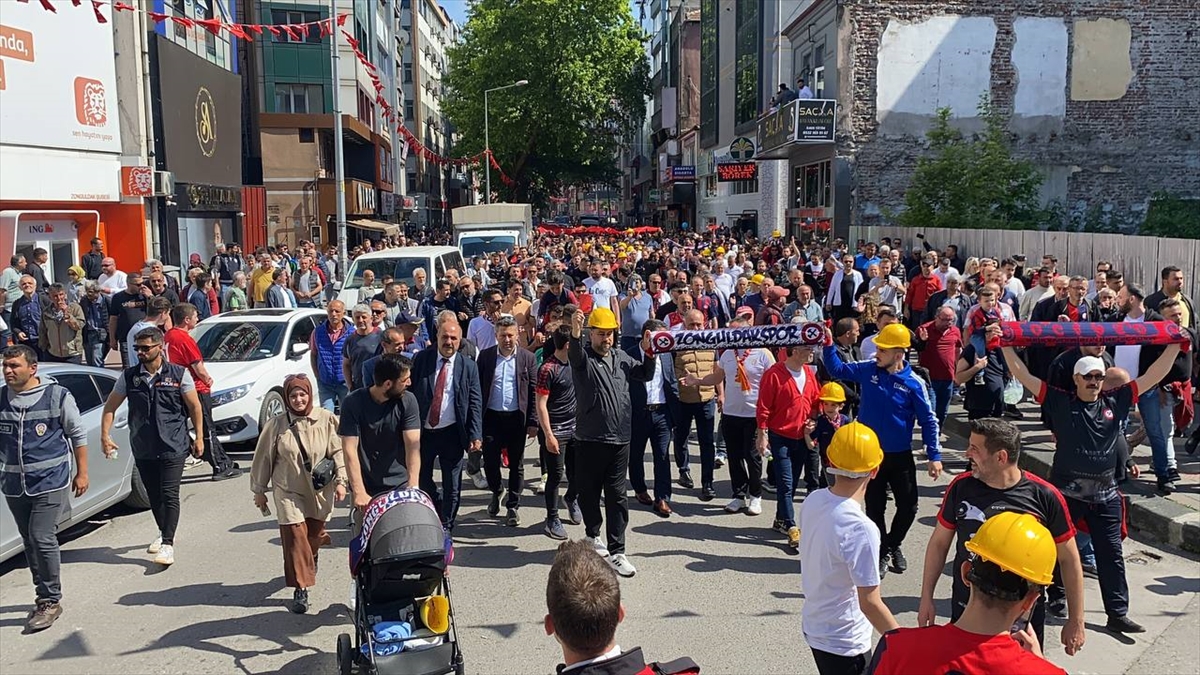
x=1140 y=259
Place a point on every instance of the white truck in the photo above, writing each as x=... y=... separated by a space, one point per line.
x=487 y=228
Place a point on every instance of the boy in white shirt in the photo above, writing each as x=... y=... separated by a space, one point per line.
x=839 y=556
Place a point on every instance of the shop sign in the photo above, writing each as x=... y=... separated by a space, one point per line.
x=653 y=195
x=409 y=203
x=815 y=120
x=741 y=149
x=364 y=197
x=387 y=204
x=196 y=197
x=778 y=128
x=735 y=171
x=684 y=172
x=137 y=181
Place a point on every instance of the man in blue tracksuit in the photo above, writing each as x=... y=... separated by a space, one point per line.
x=893 y=399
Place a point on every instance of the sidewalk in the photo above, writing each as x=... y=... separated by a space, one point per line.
x=1173 y=520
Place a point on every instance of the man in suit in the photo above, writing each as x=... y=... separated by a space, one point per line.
x=507 y=376
x=446 y=385
x=653 y=421
x=278 y=294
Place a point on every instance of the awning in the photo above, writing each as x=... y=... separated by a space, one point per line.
x=386 y=228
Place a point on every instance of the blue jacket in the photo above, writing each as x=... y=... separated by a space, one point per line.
x=891 y=403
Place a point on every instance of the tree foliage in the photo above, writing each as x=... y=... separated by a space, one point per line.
x=588 y=80
x=1171 y=216
x=972 y=182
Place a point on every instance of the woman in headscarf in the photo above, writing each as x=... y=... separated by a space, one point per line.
x=74 y=285
x=303 y=432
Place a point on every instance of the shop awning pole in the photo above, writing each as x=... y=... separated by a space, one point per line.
x=339 y=162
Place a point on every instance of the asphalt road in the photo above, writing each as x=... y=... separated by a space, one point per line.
x=719 y=588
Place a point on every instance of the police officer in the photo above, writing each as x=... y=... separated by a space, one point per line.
x=39 y=428
x=162 y=397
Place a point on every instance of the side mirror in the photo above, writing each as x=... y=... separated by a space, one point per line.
x=299 y=350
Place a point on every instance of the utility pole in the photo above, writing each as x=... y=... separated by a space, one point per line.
x=339 y=162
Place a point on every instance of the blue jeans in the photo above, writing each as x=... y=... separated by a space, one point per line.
x=784 y=451
x=1087 y=552
x=703 y=414
x=942 y=391
x=653 y=426
x=93 y=353
x=331 y=394
x=1157 y=408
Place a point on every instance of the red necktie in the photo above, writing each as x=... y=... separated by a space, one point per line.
x=439 y=389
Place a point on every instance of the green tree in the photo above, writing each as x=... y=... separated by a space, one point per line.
x=588 y=81
x=974 y=181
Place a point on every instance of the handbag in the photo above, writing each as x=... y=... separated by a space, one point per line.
x=322 y=474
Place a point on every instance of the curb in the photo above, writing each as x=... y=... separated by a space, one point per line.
x=1161 y=519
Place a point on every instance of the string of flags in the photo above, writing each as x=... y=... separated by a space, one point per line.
x=324 y=28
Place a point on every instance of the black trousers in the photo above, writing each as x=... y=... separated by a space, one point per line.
x=214 y=452
x=161 y=476
x=602 y=467
x=832 y=664
x=1104 y=521
x=504 y=430
x=651 y=424
x=559 y=467
x=37 y=522
x=745 y=464
x=445 y=446
x=898 y=471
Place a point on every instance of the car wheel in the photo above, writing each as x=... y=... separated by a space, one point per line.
x=137 y=499
x=272 y=407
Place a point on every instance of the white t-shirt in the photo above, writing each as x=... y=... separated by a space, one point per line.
x=839 y=553
x=112 y=283
x=602 y=290
x=799 y=377
x=482 y=332
x=1126 y=356
x=740 y=403
x=868 y=348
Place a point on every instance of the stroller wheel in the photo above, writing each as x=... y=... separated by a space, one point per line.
x=345 y=654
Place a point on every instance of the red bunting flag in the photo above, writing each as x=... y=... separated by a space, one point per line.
x=96 y=5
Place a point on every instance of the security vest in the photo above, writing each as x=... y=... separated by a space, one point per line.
x=699 y=363
x=157 y=415
x=329 y=354
x=35 y=452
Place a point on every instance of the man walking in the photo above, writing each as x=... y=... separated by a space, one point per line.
x=555 y=404
x=162 y=398
x=939 y=344
x=655 y=405
x=601 y=377
x=506 y=377
x=697 y=403
x=40 y=431
x=325 y=350
x=359 y=346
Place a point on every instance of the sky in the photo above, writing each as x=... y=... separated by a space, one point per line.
x=458 y=9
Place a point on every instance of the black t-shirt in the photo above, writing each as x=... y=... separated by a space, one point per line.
x=379 y=428
x=1086 y=453
x=555 y=382
x=129 y=308
x=991 y=393
x=969 y=502
x=359 y=348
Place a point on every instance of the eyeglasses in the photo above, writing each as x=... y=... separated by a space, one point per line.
x=379 y=311
x=144 y=348
x=1093 y=377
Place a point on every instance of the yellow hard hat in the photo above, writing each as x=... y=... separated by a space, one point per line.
x=721 y=250
x=776 y=233
x=893 y=336
x=1017 y=543
x=705 y=252
x=757 y=279
x=854 y=450
x=832 y=392
x=603 y=319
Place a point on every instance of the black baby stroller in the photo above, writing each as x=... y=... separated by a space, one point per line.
x=402 y=568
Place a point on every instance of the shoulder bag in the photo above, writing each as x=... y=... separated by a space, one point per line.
x=322 y=474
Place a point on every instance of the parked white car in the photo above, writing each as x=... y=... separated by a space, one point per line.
x=248 y=354
x=111 y=481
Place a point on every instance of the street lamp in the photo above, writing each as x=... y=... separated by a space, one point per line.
x=487 y=143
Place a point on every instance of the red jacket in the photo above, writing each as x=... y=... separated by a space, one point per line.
x=919 y=291
x=783 y=409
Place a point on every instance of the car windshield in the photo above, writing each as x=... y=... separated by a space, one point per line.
x=485 y=244
x=401 y=269
x=245 y=341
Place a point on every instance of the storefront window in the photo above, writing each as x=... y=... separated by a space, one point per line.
x=811 y=185
x=745 y=187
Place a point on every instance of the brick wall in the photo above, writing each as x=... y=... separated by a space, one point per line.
x=1113 y=153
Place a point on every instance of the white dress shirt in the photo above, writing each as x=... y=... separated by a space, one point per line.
x=655 y=388
x=504 y=384
x=448 y=417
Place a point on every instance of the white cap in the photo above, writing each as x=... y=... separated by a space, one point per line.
x=1089 y=364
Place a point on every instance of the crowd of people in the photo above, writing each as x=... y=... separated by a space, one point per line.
x=551 y=344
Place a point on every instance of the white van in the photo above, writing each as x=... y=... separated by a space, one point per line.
x=400 y=264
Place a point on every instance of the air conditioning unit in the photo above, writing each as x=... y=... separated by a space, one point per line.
x=164 y=183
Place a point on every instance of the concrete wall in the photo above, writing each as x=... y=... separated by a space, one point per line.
x=1102 y=98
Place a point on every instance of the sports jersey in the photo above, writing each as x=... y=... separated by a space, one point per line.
x=554 y=381
x=1085 y=454
x=950 y=650
x=969 y=502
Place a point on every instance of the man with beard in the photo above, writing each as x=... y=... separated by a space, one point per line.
x=381 y=433
x=1086 y=423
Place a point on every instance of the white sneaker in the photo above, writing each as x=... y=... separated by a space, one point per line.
x=166 y=555
x=601 y=547
x=737 y=504
x=192 y=462
x=720 y=459
x=622 y=565
x=480 y=480
x=154 y=546
x=754 y=507
x=538 y=487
